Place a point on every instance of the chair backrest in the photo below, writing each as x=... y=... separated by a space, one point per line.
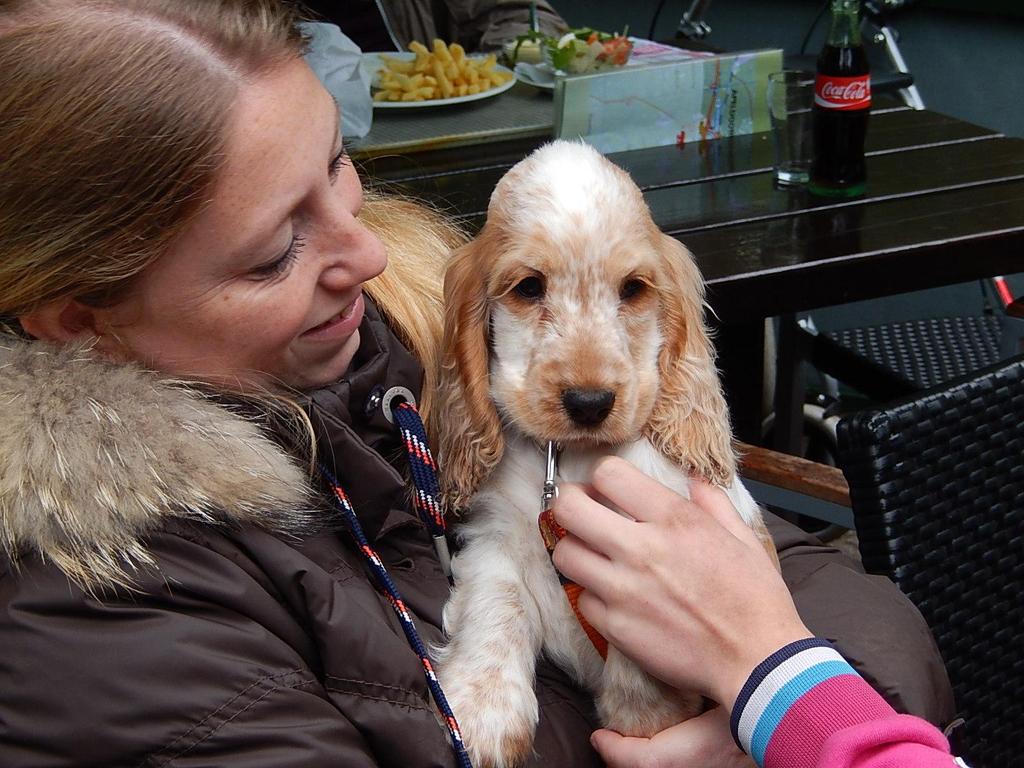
x=937 y=490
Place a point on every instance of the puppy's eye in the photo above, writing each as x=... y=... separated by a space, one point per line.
x=631 y=289
x=531 y=288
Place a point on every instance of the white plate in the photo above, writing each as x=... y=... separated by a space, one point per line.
x=372 y=63
x=539 y=76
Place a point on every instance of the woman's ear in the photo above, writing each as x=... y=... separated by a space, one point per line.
x=690 y=422
x=468 y=426
x=62 y=321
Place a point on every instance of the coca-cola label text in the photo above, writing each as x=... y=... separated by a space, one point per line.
x=832 y=92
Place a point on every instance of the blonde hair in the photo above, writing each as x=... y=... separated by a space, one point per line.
x=409 y=293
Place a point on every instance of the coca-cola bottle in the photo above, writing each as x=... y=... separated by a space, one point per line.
x=842 y=100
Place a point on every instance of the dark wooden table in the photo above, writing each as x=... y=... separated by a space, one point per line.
x=945 y=204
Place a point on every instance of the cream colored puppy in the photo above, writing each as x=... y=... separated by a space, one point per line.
x=570 y=318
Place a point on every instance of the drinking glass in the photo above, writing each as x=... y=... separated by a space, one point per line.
x=790 y=99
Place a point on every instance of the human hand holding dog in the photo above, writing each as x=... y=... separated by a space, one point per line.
x=684 y=588
x=704 y=740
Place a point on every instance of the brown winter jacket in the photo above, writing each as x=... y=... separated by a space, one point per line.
x=247 y=640
x=252 y=635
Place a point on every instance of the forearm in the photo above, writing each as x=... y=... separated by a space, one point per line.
x=805 y=706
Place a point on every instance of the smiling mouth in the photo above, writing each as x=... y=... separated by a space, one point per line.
x=341 y=317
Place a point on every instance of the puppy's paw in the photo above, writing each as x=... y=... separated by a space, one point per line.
x=497 y=716
x=647 y=716
x=635 y=704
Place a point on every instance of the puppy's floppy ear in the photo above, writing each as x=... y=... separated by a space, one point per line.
x=690 y=421
x=469 y=429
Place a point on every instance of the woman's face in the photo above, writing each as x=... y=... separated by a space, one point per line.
x=265 y=286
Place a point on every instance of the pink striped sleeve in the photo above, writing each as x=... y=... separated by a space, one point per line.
x=843 y=723
x=806 y=707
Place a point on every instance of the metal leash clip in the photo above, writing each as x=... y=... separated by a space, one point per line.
x=550 y=490
x=549 y=529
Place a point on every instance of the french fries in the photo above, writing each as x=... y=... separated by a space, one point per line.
x=440 y=72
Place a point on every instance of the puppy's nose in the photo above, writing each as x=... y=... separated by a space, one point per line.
x=588 y=407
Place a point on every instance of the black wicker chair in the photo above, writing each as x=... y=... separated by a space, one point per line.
x=937 y=489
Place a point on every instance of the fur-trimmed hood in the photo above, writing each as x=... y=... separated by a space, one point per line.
x=95 y=455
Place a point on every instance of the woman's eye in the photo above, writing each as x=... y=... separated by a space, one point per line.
x=531 y=288
x=281 y=264
x=631 y=288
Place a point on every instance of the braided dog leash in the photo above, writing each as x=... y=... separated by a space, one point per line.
x=424 y=478
x=424 y=472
